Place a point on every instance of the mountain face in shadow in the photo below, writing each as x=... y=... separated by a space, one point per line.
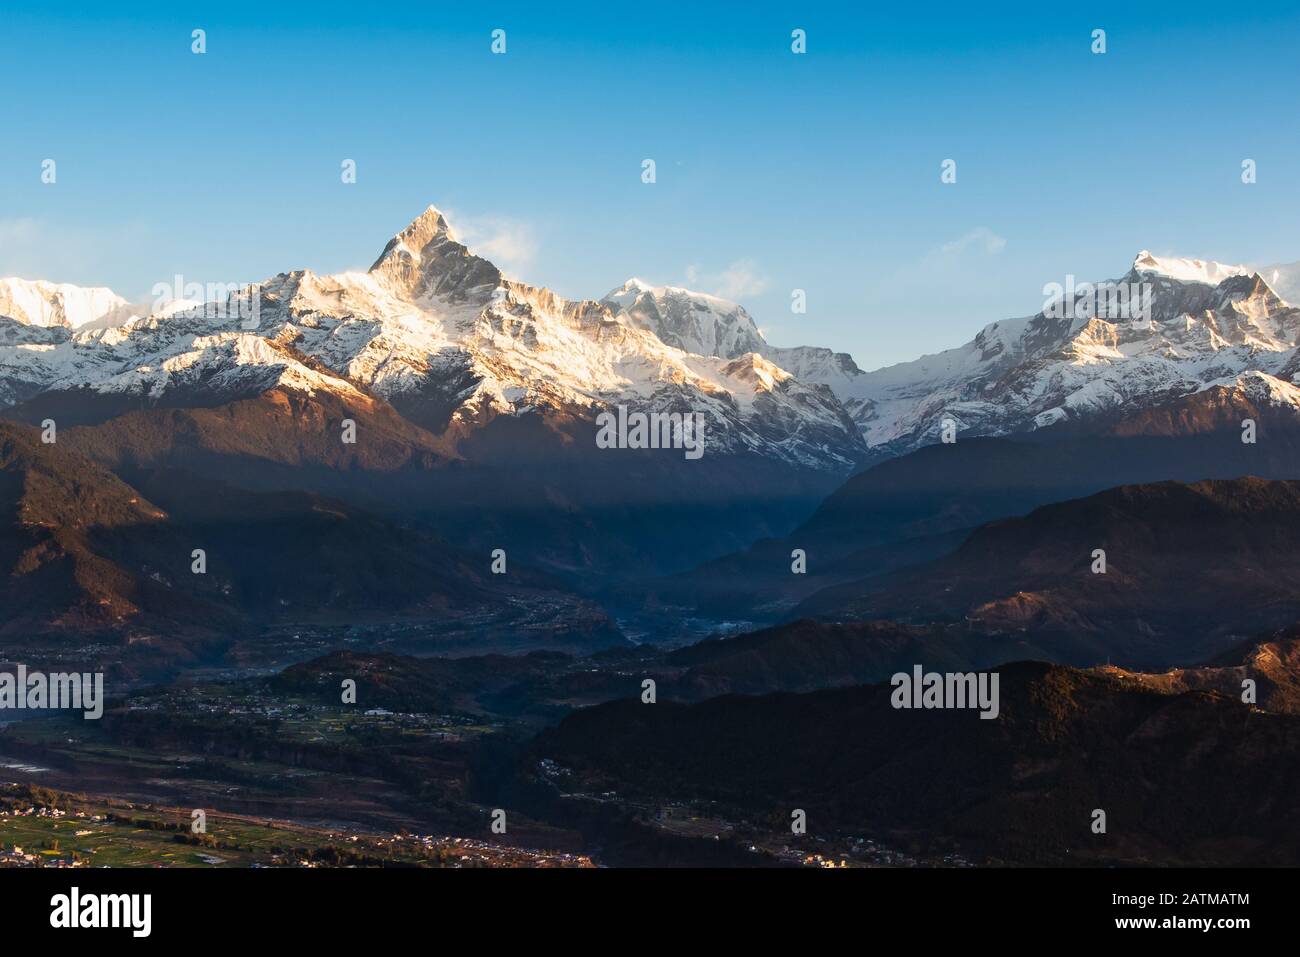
x=923 y=505
x=84 y=554
x=62 y=515
x=1183 y=778
x=809 y=655
x=1188 y=571
x=538 y=486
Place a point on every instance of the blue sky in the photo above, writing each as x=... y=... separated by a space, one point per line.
x=774 y=171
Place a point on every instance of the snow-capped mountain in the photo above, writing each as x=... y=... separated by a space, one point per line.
x=707 y=325
x=36 y=302
x=445 y=337
x=1283 y=279
x=178 y=359
x=41 y=303
x=1209 y=324
x=692 y=321
x=452 y=344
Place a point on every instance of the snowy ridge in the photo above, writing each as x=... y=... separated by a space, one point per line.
x=1283 y=279
x=1212 y=325
x=450 y=341
x=1187 y=270
x=1023 y=374
x=691 y=321
x=36 y=302
x=453 y=343
x=154 y=359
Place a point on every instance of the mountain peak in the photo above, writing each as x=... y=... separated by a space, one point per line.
x=36 y=302
x=430 y=226
x=695 y=322
x=634 y=286
x=431 y=221
x=426 y=258
x=1187 y=270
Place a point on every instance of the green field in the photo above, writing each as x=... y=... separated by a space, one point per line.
x=95 y=832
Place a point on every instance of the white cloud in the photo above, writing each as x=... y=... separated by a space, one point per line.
x=981 y=239
x=509 y=243
x=738 y=281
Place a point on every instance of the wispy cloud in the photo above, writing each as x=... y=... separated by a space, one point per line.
x=509 y=243
x=979 y=240
x=738 y=281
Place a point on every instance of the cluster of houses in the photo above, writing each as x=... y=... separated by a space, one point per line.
x=17 y=856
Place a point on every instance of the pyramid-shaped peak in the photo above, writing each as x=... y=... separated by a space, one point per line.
x=429 y=226
x=431 y=221
x=426 y=257
x=428 y=229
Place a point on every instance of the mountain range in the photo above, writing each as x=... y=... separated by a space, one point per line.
x=451 y=343
x=473 y=400
x=395 y=475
